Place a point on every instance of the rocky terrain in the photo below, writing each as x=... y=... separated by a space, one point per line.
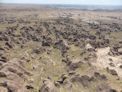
x=60 y=50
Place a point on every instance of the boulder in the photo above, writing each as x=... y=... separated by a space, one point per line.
x=120 y=50
x=112 y=72
x=48 y=86
x=89 y=47
x=99 y=76
x=84 y=80
x=103 y=87
x=120 y=66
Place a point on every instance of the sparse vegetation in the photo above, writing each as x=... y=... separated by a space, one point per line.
x=45 y=50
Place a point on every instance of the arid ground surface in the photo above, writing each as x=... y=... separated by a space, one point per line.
x=46 y=49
